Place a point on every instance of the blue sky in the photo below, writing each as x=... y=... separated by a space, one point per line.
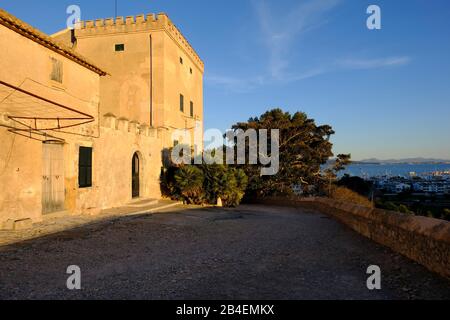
x=385 y=92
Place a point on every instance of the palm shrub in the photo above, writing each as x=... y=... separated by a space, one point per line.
x=225 y=182
x=204 y=184
x=189 y=181
x=213 y=184
x=234 y=183
x=168 y=184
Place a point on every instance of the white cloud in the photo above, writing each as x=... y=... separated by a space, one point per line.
x=373 y=63
x=279 y=35
x=233 y=83
x=246 y=84
x=279 y=32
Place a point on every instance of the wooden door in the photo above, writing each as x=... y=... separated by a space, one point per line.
x=53 y=194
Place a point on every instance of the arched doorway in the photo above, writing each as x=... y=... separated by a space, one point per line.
x=135 y=173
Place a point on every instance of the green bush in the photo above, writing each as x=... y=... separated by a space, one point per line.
x=214 y=181
x=446 y=214
x=204 y=184
x=347 y=195
x=404 y=209
x=394 y=207
x=189 y=181
x=168 y=185
x=234 y=182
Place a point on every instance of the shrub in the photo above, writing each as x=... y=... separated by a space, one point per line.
x=213 y=184
x=204 y=184
x=234 y=183
x=446 y=214
x=390 y=206
x=356 y=184
x=190 y=184
x=398 y=208
x=404 y=209
x=347 y=195
x=168 y=184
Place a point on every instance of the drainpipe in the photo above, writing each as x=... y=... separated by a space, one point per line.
x=73 y=38
x=151 y=81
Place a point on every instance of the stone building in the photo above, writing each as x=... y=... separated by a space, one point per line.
x=85 y=114
x=156 y=76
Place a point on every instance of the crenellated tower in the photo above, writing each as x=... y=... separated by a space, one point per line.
x=136 y=24
x=155 y=77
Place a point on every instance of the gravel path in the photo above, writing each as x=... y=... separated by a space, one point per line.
x=253 y=252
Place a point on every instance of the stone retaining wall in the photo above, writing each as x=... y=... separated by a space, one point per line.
x=424 y=240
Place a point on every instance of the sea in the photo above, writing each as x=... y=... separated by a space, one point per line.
x=403 y=169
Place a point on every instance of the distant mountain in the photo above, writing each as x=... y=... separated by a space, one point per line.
x=418 y=160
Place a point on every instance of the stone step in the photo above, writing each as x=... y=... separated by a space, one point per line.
x=158 y=207
x=141 y=203
x=55 y=215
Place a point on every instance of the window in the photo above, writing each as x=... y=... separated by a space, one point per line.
x=190 y=70
x=192 y=109
x=181 y=103
x=85 y=168
x=120 y=47
x=57 y=70
x=181 y=60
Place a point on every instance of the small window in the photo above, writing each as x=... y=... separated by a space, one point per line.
x=85 y=168
x=181 y=103
x=181 y=60
x=192 y=109
x=57 y=70
x=190 y=70
x=120 y=47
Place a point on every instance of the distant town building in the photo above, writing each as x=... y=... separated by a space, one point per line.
x=439 y=187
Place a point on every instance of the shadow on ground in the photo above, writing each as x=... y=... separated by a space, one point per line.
x=251 y=252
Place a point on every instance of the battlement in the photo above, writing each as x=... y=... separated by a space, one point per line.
x=129 y=127
x=139 y=23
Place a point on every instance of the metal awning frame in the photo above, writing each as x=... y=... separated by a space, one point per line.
x=32 y=130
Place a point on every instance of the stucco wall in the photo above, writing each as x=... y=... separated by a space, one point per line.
x=26 y=64
x=20 y=178
x=112 y=158
x=119 y=102
x=126 y=91
x=178 y=79
x=424 y=240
